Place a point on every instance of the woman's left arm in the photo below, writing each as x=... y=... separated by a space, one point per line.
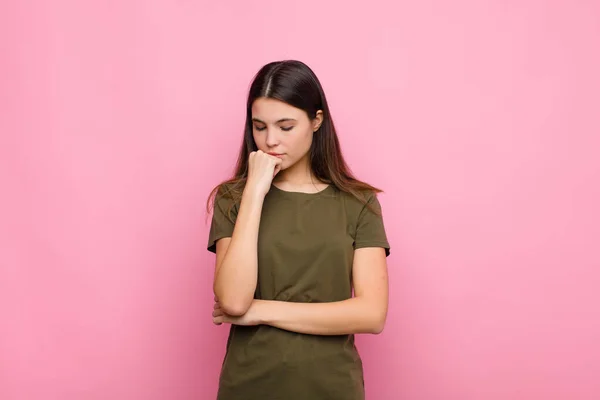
x=364 y=313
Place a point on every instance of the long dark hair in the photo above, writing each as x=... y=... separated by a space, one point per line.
x=294 y=83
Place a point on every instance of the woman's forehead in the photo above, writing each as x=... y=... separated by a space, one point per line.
x=272 y=110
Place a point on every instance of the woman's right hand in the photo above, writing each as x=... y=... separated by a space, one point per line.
x=262 y=168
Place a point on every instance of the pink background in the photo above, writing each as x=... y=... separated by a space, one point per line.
x=480 y=119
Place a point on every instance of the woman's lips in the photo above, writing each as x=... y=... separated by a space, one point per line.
x=276 y=155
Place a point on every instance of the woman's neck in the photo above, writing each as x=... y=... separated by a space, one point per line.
x=298 y=176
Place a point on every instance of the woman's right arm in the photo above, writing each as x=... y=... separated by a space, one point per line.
x=236 y=269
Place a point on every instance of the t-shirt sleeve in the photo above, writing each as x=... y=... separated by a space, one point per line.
x=370 y=230
x=223 y=221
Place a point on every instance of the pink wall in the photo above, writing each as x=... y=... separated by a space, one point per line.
x=480 y=119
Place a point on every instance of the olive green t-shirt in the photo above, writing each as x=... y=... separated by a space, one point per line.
x=306 y=246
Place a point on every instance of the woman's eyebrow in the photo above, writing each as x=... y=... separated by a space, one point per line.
x=278 y=121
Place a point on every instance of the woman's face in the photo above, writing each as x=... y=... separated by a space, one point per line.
x=283 y=130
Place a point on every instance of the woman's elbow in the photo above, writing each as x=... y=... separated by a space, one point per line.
x=377 y=325
x=235 y=307
x=377 y=328
x=232 y=304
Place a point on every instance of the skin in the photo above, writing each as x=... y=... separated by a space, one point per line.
x=288 y=132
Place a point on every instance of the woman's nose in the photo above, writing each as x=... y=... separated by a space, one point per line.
x=272 y=139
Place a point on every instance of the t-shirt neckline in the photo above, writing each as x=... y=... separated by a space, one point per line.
x=290 y=193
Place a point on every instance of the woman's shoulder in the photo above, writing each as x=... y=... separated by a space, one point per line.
x=360 y=196
x=230 y=189
x=228 y=194
x=356 y=202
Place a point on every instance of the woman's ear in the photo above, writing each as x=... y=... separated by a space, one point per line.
x=317 y=121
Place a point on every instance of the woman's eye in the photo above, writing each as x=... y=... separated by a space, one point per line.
x=287 y=128
x=260 y=128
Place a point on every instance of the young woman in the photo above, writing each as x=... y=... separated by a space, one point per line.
x=294 y=234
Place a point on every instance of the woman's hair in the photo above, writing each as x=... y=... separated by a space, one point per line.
x=294 y=83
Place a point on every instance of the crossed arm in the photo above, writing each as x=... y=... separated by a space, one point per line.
x=364 y=313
